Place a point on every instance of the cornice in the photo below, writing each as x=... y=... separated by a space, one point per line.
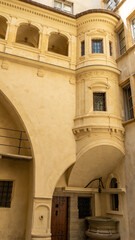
x=41 y=66
x=98 y=67
x=104 y=11
x=34 y=9
x=52 y=13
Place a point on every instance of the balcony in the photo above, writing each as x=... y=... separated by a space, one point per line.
x=14 y=144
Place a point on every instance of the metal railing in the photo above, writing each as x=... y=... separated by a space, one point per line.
x=14 y=139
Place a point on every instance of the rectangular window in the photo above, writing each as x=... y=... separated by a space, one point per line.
x=5 y=193
x=57 y=5
x=133 y=30
x=99 y=101
x=110 y=48
x=84 y=207
x=97 y=46
x=112 y=4
x=128 y=105
x=82 y=48
x=64 y=6
x=122 y=42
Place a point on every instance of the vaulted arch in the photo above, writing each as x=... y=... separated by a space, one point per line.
x=58 y=43
x=28 y=34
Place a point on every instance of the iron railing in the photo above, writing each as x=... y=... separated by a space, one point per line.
x=13 y=138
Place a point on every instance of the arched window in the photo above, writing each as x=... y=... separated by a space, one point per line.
x=58 y=44
x=114 y=197
x=28 y=34
x=3 y=27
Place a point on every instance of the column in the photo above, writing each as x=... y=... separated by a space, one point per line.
x=41 y=222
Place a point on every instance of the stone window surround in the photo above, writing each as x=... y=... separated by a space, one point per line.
x=108 y=202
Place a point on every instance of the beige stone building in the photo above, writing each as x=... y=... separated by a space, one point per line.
x=67 y=106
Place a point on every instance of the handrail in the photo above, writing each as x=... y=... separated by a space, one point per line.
x=19 y=139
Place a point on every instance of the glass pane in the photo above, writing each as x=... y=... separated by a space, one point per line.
x=97 y=46
x=67 y=8
x=99 y=102
x=58 y=5
x=82 y=48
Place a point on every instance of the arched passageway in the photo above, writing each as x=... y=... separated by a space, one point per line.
x=16 y=170
x=28 y=35
x=3 y=27
x=58 y=44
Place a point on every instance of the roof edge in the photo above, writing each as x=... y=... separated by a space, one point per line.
x=68 y=14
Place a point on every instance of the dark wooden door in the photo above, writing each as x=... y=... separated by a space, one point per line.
x=59 y=218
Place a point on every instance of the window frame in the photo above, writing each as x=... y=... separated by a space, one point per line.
x=114 y=198
x=96 y=40
x=110 y=48
x=133 y=29
x=63 y=3
x=82 y=48
x=121 y=52
x=6 y=203
x=104 y=103
x=129 y=111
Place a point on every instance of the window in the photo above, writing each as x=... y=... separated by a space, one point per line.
x=64 y=6
x=5 y=193
x=112 y=4
x=114 y=197
x=110 y=48
x=84 y=207
x=97 y=46
x=128 y=105
x=133 y=29
x=122 y=43
x=82 y=48
x=99 y=101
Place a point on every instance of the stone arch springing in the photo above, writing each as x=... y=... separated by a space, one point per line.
x=28 y=34
x=58 y=43
x=3 y=27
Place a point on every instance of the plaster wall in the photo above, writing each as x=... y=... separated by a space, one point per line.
x=13 y=220
x=130 y=175
x=42 y=117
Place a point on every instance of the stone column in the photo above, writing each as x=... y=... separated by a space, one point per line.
x=41 y=222
x=72 y=51
x=11 y=35
x=43 y=44
x=73 y=218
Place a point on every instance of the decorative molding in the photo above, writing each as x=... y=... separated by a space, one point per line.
x=72 y=81
x=99 y=84
x=95 y=20
x=40 y=73
x=4 y=65
x=81 y=132
x=34 y=12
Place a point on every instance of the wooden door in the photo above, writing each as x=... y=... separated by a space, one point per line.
x=59 y=218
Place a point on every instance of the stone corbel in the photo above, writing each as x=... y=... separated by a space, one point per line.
x=4 y=65
x=100 y=84
x=40 y=73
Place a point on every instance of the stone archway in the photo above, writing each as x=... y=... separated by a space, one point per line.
x=16 y=174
